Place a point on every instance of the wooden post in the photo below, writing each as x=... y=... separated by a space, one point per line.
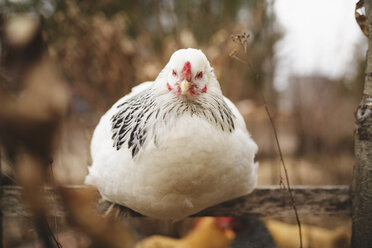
x=362 y=181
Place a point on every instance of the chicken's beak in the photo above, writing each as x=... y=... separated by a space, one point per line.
x=185 y=86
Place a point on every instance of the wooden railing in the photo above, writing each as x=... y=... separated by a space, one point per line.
x=264 y=201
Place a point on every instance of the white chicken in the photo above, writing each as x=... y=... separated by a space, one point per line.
x=174 y=146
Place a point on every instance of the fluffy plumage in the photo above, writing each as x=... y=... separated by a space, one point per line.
x=174 y=146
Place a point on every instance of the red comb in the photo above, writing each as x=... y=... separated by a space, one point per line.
x=186 y=71
x=224 y=223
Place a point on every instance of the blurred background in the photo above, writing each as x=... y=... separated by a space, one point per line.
x=305 y=58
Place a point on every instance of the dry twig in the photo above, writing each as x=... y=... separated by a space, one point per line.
x=287 y=186
x=242 y=39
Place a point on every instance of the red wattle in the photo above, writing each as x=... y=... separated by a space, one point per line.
x=169 y=87
x=192 y=92
x=204 y=89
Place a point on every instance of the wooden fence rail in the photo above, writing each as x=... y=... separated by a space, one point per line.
x=264 y=201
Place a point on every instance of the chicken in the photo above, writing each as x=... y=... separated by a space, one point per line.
x=251 y=232
x=286 y=235
x=208 y=233
x=174 y=146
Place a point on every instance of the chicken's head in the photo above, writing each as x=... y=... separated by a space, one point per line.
x=188 y=73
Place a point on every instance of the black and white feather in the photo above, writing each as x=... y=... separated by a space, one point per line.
x=140 y=115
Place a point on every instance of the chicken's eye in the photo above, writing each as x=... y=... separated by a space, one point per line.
x=199 y=75
x=174 y=73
